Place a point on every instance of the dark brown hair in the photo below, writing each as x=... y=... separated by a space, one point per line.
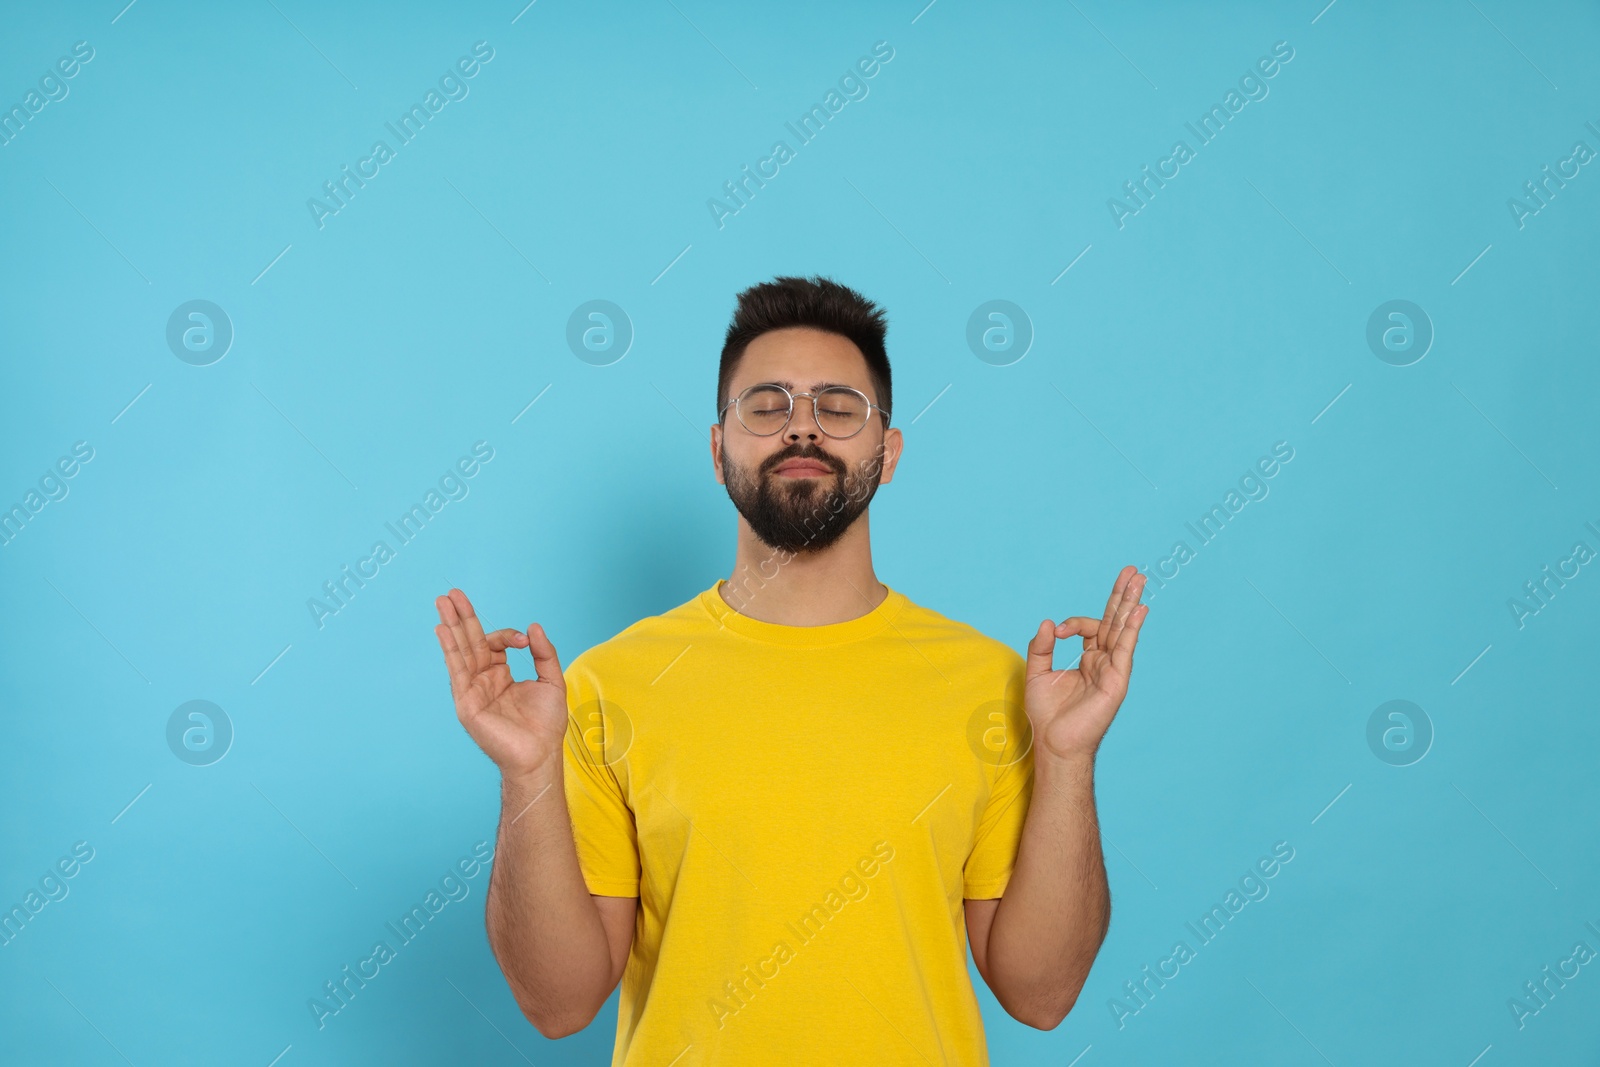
x=817 y=302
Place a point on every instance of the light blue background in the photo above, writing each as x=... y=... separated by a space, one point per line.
x=1227 y=315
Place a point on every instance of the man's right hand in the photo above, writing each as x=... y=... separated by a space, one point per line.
x=519 y=725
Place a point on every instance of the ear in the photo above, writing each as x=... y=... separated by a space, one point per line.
x=716 y=452
x=893 y=442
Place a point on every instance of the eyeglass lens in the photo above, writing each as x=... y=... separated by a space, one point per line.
x=764 y=410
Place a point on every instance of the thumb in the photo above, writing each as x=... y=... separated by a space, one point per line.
x=545 y=660
x=1041 y=649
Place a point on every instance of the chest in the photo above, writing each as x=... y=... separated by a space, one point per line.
x=769 y=771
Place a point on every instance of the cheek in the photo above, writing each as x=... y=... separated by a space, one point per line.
x=863 y=464
x=743 y=458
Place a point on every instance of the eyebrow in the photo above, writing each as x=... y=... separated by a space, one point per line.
x=817 y=386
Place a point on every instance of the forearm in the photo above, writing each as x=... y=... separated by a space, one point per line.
x=1053 y=916
x=542 y=921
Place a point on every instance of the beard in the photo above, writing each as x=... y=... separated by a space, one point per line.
x=799 y=514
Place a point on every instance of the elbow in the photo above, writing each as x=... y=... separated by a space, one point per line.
x=543 y=1020
x=1044 y=1017
x=556 y=1011
x=556 y=1031
x=554 y=1026
x=1043 y=1011
x=1039 y=1020
x=1042 y=999
x=555 y=1015
x=549 y=1029
x=573 y=1013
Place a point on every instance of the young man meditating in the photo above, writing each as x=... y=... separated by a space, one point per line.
x=781 y=812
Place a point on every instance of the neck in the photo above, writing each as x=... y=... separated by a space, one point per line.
x=816 y=588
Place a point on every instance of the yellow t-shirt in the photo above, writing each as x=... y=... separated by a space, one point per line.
x=800 y=811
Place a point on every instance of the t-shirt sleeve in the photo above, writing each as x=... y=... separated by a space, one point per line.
x=602 y=823
x=994 y=847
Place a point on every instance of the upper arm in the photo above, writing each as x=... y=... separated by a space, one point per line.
x=998 y=836
x=980 y=917
x=617 y=915
x=1008 y=752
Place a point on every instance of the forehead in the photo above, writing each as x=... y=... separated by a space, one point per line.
x=800 y=358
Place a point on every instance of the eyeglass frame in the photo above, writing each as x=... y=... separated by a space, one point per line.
x=734 y=403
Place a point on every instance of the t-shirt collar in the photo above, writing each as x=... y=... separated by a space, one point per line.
x=832 y=633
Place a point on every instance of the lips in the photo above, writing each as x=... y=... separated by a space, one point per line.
x=802 y=468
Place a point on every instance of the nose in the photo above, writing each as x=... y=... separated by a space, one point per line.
x=803 y=420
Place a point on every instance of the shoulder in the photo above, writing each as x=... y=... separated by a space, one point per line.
x=918 y=621
x=643 y=642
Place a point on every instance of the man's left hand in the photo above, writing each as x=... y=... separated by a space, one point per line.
x=1071 y=710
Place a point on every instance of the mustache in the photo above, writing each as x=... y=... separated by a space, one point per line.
x=802 y=452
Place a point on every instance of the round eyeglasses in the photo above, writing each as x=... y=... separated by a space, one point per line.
x=765 y=409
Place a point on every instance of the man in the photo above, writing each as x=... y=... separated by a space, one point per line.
x=781 y=812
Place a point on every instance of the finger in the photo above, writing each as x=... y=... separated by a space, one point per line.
x=1109 y=617
x=1122 y=653
x=500 y=640
x=1041 y=650
x=455 y=663
x=475 y=648
x=1117 y=589
x=545 y=660
x=1087 y=628
x=1131 y=591
x=450 y=617
x=1081 y=625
